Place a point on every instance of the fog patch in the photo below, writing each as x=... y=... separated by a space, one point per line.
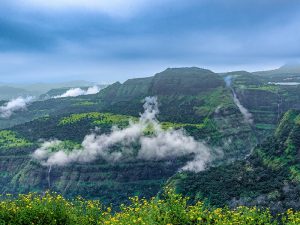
x=74 y=92
x=14 y=105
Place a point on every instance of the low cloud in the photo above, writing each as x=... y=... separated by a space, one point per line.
x=74 y=92
x=132 y=142
x=14 y=105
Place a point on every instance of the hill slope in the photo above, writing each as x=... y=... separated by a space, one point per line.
x=270 y=177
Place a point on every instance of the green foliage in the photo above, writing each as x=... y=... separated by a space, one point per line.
x=271 y=174
x=295 y=173
x=97 y=118
x=281 y=150
x=48 y=209
x=9 y=139
x=171 y=208
x=286 y=123
x=297 y=120
x=168 y=125
x=272 y=162
x=65 y=146
x=219 y=97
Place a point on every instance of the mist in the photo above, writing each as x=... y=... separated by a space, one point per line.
x=159 y=144
x=74 y=92
x=17 y=104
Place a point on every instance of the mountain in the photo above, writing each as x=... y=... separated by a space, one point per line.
x=7 y=92
x=172 y=86
x=37 y=89
x=286 y=73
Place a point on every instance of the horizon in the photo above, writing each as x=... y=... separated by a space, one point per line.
x=108 y=41
x=93 y=82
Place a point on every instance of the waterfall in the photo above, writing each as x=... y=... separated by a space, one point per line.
x=49 y=181
x=246 y=114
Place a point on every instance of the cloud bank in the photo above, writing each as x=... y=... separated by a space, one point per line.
x=108 y=41
x=132 y=142
x=74 y=92
x=14 y=105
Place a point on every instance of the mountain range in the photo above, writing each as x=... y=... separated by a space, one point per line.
x=248 y=125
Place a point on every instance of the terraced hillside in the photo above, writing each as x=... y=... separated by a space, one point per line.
x=267 y=102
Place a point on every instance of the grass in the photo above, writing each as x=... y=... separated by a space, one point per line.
x=171 y=208
x=219 y=98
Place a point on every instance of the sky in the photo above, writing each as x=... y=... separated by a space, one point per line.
x=113 y=40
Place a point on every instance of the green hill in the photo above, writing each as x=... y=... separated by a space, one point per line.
x=286 y=73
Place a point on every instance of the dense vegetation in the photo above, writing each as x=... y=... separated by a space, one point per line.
x=171 y=208
x=9 y=140
x=268 y=177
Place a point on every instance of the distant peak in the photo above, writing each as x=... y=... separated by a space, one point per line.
x=294 y=65
x=185 y=70
x=290 y=68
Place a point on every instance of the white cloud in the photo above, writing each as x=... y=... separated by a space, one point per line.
x=74 y=92
x=92 y=90
x=14 y=105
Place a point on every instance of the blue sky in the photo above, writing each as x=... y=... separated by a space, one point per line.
x=110 y=40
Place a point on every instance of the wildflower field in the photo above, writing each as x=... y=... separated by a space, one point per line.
x=52 y=208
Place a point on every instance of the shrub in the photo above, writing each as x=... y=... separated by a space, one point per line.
x=171 y=208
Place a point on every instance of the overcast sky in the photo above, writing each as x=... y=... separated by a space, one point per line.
x=110 y=40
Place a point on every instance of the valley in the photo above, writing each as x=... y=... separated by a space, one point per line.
x=264 y=150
